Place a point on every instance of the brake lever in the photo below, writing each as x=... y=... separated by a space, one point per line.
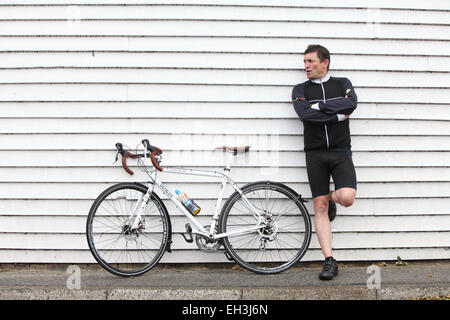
x=119 y=148
x=117 y=157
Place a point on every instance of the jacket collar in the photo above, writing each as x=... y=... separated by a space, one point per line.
x=324 y=79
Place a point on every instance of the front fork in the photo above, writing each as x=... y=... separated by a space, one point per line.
x=139 y=208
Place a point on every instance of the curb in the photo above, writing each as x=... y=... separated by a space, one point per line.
x=346 y=292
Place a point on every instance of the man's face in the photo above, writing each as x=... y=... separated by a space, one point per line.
x=315 y=69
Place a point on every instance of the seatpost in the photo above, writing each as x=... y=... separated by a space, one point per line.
x=228 y=165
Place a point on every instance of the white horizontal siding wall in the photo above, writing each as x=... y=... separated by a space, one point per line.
x=77 y=76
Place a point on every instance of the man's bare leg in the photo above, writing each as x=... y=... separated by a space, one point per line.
x=322 y=224
x=343 y=196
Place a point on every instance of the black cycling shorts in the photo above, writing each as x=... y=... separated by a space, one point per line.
x=321 y=164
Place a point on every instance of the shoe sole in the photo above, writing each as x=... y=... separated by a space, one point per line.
x=328 y=278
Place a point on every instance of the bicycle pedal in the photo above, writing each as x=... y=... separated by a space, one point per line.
x=188 y=238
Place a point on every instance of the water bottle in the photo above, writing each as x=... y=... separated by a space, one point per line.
x=188 y=203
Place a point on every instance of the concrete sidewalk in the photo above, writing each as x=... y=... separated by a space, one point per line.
x=227 y=282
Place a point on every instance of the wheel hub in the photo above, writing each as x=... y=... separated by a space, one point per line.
x=269 y=230
x=130 y=233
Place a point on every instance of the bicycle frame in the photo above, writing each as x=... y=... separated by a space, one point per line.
x=141 y=204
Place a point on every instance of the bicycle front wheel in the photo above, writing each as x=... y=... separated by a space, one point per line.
x=282 y=239
x=115 y=244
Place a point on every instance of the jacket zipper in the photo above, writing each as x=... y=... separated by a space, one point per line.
x=326 y=129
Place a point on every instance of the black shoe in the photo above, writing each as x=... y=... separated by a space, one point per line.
x=329 y=270
x=331 y=210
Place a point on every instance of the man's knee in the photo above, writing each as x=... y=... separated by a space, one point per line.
x=346 y=196
x=347 y=201
x=321 y=204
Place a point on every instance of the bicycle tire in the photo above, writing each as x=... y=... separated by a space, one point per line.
x=114 y=245
x=289 y=226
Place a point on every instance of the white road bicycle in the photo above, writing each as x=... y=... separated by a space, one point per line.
x=263 y=226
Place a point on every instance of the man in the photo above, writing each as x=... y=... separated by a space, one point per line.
x=324 y=104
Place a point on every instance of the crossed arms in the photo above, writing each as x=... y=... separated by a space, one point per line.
x=332 y=111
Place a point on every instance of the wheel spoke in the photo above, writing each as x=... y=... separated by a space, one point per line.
x=284 y=239
x=115 y=245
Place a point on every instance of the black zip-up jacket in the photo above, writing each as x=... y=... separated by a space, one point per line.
x=322 y=105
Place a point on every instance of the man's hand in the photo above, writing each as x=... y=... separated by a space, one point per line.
x=315 y=106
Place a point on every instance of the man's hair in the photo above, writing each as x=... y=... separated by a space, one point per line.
x=322 y=52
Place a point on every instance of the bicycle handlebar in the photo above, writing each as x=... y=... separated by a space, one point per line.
x=124 y=162
x=154 y=151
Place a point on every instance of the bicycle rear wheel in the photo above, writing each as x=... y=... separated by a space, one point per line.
x=281 y=241
x=113 y=242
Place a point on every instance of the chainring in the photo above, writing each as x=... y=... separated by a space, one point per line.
x=205 y=244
